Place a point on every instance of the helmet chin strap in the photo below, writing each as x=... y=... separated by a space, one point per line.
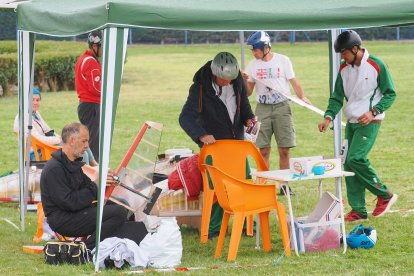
x=96 y=53
x=355 y=57
x=264 y=55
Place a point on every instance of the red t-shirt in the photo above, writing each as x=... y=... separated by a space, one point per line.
x=88 y=78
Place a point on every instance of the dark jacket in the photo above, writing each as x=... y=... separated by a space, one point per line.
x=204 y=112
x=64 y=187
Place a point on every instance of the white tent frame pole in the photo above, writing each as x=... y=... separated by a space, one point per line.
x=25 y=87
x=335 y=62
x=241 y=39
x=113 y=52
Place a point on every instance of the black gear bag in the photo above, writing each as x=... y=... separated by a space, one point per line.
x=66 y=252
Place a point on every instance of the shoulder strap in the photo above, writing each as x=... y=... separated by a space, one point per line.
x=200 y=99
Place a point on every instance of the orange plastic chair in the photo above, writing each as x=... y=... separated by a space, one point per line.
x=241 y=199
x=230 y=156
x=45 y=149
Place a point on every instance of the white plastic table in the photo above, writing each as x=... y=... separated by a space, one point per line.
x=287 y=177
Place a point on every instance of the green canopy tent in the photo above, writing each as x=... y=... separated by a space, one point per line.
x=68 y=18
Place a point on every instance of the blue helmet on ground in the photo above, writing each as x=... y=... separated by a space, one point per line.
x=362 y=237
x=258 y=40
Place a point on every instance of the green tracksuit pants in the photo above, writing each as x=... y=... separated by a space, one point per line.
x=360 y=142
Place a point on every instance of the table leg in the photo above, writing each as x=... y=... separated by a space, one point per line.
x=320 y=188
x=257 y=232
x=292 y=221
x=338 y=182
x=258 y=181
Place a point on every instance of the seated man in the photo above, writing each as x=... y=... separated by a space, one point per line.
x=69 y=196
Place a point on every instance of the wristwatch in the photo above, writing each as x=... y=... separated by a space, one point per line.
x=374 y=112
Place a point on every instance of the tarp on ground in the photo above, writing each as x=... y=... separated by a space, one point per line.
x=79 y=16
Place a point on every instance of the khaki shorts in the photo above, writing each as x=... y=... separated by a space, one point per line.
x=275 y=119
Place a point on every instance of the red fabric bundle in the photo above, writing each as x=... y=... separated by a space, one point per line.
x=187 y=176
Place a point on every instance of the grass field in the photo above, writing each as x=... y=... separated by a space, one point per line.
x=155 y=86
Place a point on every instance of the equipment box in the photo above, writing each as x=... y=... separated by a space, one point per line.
x=318 y=236
x=327 y=209
x=320 y=230
x=304 y=165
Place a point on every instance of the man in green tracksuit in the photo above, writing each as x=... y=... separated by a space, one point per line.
x=366 y=84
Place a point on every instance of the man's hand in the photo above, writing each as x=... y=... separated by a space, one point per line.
x=306 y=100
x=244 y=75
x=323 y=126
x=207 y=139
x=110 y=178
x=366 y=118
x=250 y=122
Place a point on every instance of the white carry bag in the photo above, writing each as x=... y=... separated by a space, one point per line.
x=164 y=246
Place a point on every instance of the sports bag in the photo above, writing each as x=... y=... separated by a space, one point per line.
x=69 y=252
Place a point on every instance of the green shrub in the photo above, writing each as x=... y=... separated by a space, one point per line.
x=8 y=72
x=55 y=72
x=54 y=65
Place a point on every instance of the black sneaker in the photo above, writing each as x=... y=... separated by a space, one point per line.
x=283 y=191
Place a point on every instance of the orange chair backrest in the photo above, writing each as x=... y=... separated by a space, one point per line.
x=230 y=156
x=45 y=149
x=238 y=195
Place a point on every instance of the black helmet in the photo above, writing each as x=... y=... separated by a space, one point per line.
x=95 y=37
x=347 y=40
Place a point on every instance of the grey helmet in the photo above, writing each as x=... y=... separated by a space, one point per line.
x=225 y=66
x=347 y=40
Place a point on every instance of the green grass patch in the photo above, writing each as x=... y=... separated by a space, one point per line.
x=155 y=87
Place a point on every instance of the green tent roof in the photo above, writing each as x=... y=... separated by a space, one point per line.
x=64 y=18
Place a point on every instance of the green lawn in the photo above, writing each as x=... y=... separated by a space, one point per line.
x=155 y=86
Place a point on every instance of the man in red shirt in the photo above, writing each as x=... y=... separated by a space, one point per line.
x=88 y=87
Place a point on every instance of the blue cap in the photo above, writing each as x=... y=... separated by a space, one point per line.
x=36 y=91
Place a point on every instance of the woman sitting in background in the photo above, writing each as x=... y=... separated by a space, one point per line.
x=40 y=130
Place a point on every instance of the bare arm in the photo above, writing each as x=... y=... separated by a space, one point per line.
x=299 y=90
x=93 y=163
x=249 y=85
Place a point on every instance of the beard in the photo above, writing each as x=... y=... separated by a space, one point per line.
x=79 y=154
